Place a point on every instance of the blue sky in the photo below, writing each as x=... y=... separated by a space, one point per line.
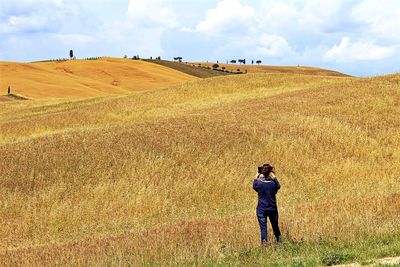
x=358 y=37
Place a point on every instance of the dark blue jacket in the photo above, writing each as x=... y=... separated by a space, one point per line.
x=266 y=189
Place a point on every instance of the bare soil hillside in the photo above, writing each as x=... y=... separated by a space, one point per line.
x=204 y=71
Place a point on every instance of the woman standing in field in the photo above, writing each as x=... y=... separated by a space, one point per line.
x=266 y=184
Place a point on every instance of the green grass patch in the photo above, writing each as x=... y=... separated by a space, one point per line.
x=321 y=253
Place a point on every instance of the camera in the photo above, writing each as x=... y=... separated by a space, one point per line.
x=260 y=169
x=270 y=168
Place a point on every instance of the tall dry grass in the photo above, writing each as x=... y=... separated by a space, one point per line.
x=55 y=116
x=165 y=176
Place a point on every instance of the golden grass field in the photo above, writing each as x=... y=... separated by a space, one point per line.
x=73 y=79
x=165 y=176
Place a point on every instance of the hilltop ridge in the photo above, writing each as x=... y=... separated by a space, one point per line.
x=305 y=70
x=206 y=70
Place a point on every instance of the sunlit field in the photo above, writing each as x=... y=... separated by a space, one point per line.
x=165 y=176
x=77 y=79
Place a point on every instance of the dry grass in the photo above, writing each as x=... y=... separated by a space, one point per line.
x=166 y=175
x=74 y=79
x=304 y=70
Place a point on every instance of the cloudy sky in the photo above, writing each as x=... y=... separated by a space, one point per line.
x=358 y=37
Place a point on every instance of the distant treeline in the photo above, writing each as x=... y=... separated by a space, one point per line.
x=217 y=68
x=66 y=59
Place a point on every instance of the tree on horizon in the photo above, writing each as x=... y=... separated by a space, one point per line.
x=71 y=53
x=179 y=59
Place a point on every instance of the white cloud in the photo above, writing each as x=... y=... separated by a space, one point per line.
x=27 y=16
x=15 y=24
x=272 y=46
x=379 y=17
x=26 y=6
x=320 y=15
x=304 y=16
x=275 y=14
x=133 y=39
x=142 y=30
x=348 y=52
x=186 y=29
x=152 y=14
x=253 y=47
x=75 y=39
x=229 y=16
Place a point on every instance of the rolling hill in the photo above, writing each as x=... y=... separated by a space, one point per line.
x=305 y=70
x=205 y=70
x=164 y=176
x=78 y=79
x=74 y=79
x=190 y=69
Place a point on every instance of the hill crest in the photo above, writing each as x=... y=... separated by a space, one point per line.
x=269 y=69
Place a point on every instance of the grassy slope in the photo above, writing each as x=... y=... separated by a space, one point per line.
x=86 y=78
x=165 y=175
x=5 y=98
x=278 y=69
x=189 y=69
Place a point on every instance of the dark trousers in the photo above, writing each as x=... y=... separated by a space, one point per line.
x=262 y=220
